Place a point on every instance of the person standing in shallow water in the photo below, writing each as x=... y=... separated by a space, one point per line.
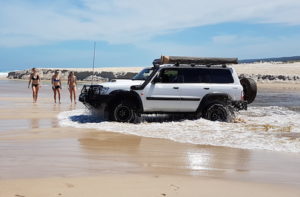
x=34 y=80
x=56 y=85
x=72 y=82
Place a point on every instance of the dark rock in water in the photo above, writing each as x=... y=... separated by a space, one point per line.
x=83 y=75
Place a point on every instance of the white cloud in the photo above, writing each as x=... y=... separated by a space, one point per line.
x=242 y=47
x=126 y=21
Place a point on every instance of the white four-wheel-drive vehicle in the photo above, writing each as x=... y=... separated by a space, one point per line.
x=197 y=87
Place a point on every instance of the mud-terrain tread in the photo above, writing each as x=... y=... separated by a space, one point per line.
x=228 y=114
x=249 y=89
x=133 y=117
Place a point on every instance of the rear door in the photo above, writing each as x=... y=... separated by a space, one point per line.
x=199 y=82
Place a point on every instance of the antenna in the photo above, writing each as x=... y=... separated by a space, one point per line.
x=94 y=63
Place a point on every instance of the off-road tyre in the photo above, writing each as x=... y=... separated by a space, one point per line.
x=249 y=89
x=124 y=112
x=219 y=112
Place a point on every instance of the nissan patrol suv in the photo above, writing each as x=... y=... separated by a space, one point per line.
x=197 y=87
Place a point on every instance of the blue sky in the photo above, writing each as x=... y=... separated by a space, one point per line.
x=133 y=32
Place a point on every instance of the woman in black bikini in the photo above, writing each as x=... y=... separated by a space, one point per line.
x=56 y=85
x=34 y=80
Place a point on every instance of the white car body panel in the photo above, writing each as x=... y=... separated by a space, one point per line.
x=176 y=97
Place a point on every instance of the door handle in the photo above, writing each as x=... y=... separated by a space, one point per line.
x=175 y=87
x=206 y=88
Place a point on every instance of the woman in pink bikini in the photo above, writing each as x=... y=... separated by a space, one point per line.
x=72 y=82
x=34 y=80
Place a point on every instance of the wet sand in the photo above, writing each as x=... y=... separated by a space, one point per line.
x=40 y=158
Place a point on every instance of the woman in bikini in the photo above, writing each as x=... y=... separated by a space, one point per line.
x=56 y=85
x=72 y=82
x=34 y=80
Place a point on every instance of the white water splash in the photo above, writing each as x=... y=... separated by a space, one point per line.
x=267 y=128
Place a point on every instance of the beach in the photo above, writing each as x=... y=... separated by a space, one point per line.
x=52 y=149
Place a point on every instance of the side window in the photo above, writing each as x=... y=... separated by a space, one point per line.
x=191 y=75
x=205 y=75
x=221 y=76
x=169 y=76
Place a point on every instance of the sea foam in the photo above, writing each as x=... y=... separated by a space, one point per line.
x=265 y=128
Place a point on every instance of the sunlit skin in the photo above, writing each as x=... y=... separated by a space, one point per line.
x=72 y=83
x=56 y=86
x=34 y=80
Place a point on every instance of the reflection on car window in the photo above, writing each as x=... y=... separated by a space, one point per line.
x=143 y=75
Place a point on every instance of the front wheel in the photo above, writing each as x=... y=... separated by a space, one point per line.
x=218 y=112
x=124 y=112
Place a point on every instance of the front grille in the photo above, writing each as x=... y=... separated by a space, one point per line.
x=91 y=89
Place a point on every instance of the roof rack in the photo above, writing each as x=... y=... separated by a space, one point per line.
x=208 y=61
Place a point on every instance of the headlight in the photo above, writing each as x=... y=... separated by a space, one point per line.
x=104 y=90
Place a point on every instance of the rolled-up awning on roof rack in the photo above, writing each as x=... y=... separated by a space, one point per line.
x=195 y=60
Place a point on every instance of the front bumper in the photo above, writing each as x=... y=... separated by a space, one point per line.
x=90 y=96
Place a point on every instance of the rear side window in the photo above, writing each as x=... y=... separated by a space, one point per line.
x=205 y=75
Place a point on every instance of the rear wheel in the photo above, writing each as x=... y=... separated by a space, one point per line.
x=218 y=112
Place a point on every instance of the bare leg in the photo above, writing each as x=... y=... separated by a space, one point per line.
x=74 y=94
x=70 y=90
x=54 y=91
x=58 y=91
x=33 y=93
x=37 y=93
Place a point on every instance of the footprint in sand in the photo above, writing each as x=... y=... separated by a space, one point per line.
x=174 y=187
x=69 y=185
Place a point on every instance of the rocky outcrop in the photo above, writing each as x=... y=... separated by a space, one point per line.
x=46 y=74
x=272 y=78
x=102 y=76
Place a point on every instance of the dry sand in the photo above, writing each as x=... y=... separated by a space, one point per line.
x=269 y=68
x=139 y=185
x=40 y=158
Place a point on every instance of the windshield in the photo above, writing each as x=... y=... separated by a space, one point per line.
x=144 y=74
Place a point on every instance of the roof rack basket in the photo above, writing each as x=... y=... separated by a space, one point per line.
x=194 y=60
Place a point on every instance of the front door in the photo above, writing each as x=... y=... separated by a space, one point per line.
x=163 y=96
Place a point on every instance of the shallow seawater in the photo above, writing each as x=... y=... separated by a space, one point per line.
x=270 y=123
x=269 y=128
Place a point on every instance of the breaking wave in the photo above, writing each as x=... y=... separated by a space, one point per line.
x=265 y=128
